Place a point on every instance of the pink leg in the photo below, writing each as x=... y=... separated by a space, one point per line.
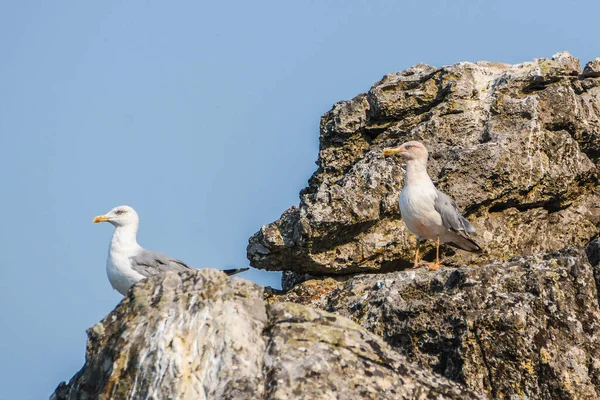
x=436 y=265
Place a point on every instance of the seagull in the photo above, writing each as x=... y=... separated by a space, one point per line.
x=128 y=262
x=427 y=212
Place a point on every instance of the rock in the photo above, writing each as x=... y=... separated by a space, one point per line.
x=196 y=335
x=527 y=328
x=517 y=147
x=201 y=335
x=592 y=69
x=593 y=254
x=316 y=355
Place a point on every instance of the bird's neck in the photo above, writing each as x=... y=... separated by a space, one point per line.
x=125 y=237
x=416 y=173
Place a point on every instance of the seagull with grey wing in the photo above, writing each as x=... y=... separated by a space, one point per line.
x=427 y=212
x=128 y=262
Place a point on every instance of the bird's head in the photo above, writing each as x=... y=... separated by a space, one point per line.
x=412 y=150
x=119 y=216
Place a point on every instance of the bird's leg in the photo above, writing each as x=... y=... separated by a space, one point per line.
x=416 y=253
x=436 y=265
x=416 y=264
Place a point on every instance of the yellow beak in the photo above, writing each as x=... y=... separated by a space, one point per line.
x=100 y=218
x=391 y=151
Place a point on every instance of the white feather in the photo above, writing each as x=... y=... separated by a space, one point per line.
x=122 y=247
x=417 y=206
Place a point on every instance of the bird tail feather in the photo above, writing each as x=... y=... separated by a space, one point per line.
x=235 y=271
x=464 y=242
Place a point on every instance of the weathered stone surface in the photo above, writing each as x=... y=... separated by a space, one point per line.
x=201 y=335
x=197 y=335
x=527 y=328
x=592 y=69
x=593 y=254
x=316 y=355
x=517 y=147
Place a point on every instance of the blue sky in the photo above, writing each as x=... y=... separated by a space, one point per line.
x=203 y=116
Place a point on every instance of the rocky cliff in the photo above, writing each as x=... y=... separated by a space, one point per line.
x=517 y=147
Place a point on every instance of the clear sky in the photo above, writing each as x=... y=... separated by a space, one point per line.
x=203 y=116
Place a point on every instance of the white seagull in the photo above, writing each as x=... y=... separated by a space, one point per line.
x=427 y=212
x=128 y=262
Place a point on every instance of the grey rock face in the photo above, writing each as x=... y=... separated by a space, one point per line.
x=528 y=328
x=517 y=147
x=592 y=69
x=201 y=335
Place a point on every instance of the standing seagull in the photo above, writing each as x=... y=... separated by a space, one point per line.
x=128 y=262
x=427 y=212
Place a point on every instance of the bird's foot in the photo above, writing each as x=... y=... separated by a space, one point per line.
x=417 y=265
x=434 y=265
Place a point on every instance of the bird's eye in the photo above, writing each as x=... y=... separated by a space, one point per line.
x=408 y=147
x=119 y=212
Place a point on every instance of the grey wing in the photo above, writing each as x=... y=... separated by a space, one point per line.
x=149 y=263
x=451 y=216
